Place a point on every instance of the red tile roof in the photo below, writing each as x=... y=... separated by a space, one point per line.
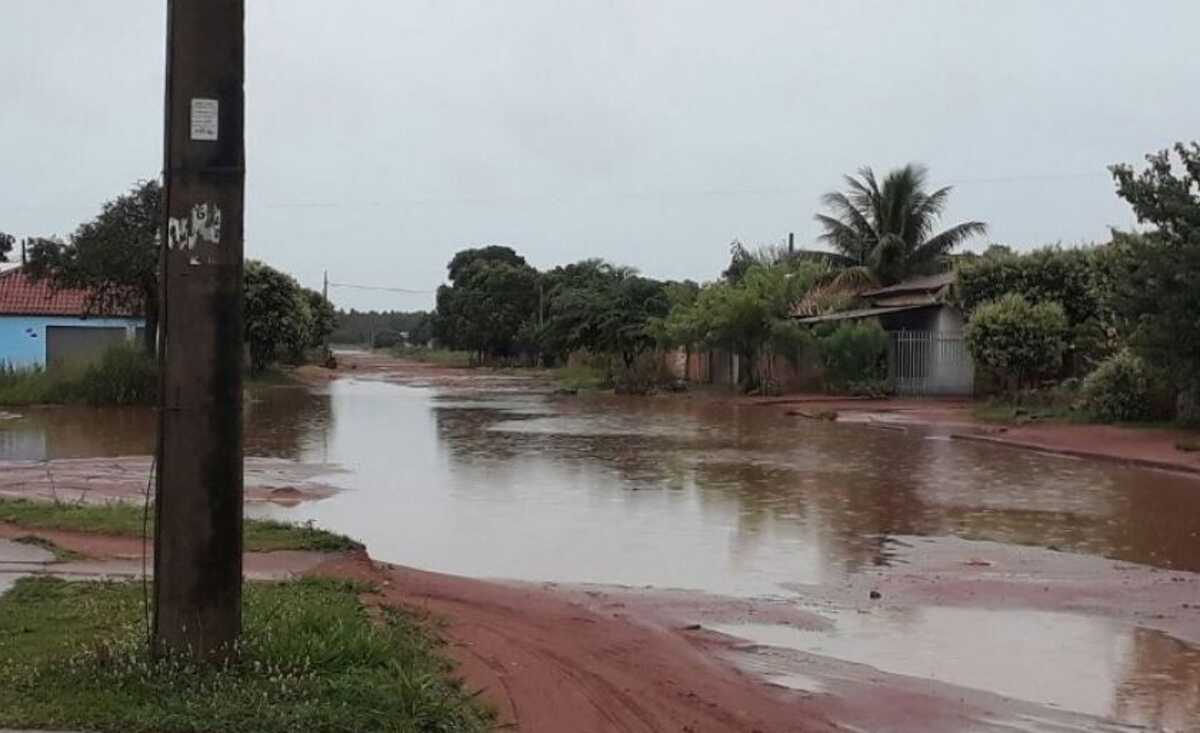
x=20 y=295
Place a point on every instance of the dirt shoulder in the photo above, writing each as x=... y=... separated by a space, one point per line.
x=1139 y=446
x=586 y=658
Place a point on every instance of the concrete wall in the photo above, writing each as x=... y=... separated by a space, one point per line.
x=722 y=368
x=23 y=338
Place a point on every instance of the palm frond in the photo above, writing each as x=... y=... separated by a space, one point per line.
x=941 y=244
x=842 y=237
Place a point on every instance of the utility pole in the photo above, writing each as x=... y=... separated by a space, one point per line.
x=198 y=493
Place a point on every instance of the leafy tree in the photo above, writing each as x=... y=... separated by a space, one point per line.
x=750 y=316
x=887 y=229
x=464 y=259
x=323 y=318
x=114 y=257
x=1157 y=280
x=278 y=320
x=6 y=245
x=740 y=261
x=492 y=296
x=601 y=308
x=1018 y=340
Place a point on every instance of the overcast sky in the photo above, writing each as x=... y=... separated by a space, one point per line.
x=384 y=135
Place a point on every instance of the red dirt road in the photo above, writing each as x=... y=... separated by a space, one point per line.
x=547 y=663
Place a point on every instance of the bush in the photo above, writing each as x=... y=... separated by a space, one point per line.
x=1076 y=279
x=1017 y=340
x=853 y=353
x=1120 y=389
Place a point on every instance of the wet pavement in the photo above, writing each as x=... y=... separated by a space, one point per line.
x=495 y=477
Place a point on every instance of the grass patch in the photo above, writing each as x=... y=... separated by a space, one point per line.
x=439 y=357
x=1010 y=414
x=125 y=520
x=581 y=377
x=124 y=375
x=61 y=554
x=73 y=655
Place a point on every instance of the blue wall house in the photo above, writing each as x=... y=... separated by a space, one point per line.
x=42 y=326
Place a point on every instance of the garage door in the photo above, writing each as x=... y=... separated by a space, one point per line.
x=79 y=344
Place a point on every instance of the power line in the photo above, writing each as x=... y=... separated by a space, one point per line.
x=380 y=288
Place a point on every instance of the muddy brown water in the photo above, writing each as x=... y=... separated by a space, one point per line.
x=498 y=480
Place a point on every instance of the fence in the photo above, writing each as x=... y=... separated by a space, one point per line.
x=929 y=363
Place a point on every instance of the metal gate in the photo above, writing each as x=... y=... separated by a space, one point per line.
x=930 y=363
x=79 y=344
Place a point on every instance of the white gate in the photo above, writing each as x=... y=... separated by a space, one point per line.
x=930 y=363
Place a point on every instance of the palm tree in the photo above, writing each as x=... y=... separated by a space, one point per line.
x=885 y=233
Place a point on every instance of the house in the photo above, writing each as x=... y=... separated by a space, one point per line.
x=41 y=326
x=927 y=353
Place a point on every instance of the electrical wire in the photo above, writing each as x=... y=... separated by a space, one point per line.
x=381 y=288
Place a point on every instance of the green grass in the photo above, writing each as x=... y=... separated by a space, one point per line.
x=1009 y=414
x=439 y=357
x=125 y=520
x=124 y=375
x=73 y=656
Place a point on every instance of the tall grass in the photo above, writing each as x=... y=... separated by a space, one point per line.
x=123 y=375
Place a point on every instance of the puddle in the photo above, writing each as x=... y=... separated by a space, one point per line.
x=1067 y=661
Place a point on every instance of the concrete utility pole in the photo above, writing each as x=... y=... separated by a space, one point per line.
x=198 y=495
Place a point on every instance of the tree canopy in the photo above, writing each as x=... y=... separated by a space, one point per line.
x=282 y=318
x=114 y=256
x=888 y=228
x=1157 y=279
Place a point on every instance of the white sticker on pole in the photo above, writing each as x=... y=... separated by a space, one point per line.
x=204 y=119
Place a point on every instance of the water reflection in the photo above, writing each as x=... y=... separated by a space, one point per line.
x=692 y=493
x=1074 y=662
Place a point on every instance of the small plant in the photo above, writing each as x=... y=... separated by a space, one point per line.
x=1190 y=444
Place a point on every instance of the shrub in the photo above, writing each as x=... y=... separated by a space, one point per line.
x=1121 y=388
x=853 y=352
x=124 y=375
x=1017 y=340
x=1076 y=279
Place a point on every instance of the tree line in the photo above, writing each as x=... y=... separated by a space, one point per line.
x=1105 y=321
x=115 y=258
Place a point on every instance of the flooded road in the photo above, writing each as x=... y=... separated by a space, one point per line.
x=494 y=479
